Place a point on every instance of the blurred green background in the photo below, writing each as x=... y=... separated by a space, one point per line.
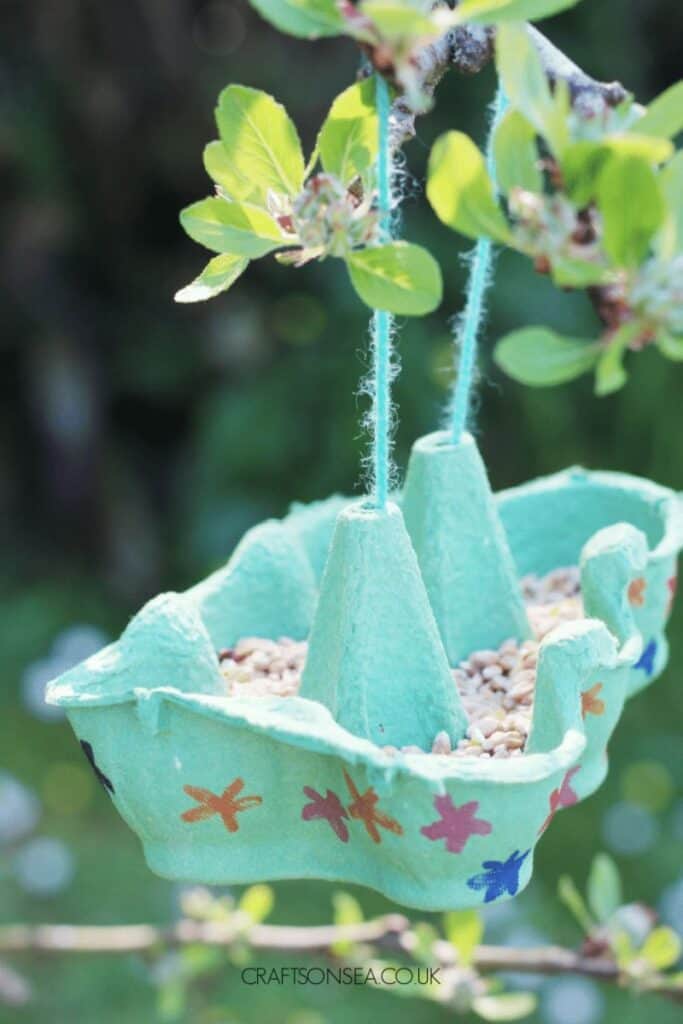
x=140 y=439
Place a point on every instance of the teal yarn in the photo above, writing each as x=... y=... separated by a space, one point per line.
x=380 y=387
x=477 y=285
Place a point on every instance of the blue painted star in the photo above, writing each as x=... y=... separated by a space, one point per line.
x=499 y=877
x=647 y=658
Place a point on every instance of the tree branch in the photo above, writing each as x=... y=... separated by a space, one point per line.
x=469 y=48
x=391 y=932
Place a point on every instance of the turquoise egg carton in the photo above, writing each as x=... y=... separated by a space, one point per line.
x=225 y=790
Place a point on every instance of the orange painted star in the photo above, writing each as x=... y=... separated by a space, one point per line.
x=591 y=703
x=227 y=805
x=636 y=591
x=363 y=808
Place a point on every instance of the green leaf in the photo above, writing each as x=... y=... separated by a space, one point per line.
x=541 y=358
x=460 y=190
x=671 y=347
x=604 y=887
x=220 y=169
x=425 y=937
x=664 y=116
x=623 y=949
x=507 y=1006
x=309 y=19
x=348 y=138
x=526 y=85
x=568 y=273
x=397 y=277
x=654 y=151
x=227 y=227
x=662 y=948
x=491 y=12
x=632 y=207
x=671 y=183
x=581 y=164
x=464 y=930
x=516 y=154
x=260 y=141
x=257 y=902
x=395 y=19
x=218 y=275
x=347 y=912
x=610 y=374
x=574 y=902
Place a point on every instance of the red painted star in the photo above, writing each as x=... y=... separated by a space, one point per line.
x=456 y=824
x=328 y=808
x=226 y=805
x=672 y=584
x=562 y=797
x=363 y=807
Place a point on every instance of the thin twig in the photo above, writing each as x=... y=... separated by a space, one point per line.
x=467 y=49
x=392 y=932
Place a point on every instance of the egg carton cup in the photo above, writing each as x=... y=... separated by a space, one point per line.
x=226 y=790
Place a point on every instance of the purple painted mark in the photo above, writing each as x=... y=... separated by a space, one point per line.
x=456 y=824
x=499 y=877
x=327 y=808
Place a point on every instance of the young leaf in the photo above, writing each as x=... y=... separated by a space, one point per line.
x=671 y=183
x=224 y=226
x=257 y=902
x=395 y=19
x=309 y=19
x=610 y=374
x=662 y=948
x=654 y=151
x=397 y=277
x=632 y=207
x=221 y=169
x=260 y=140
x=491 y=12
x=347 y=911
x=568 y=273
x=622 y=948
x=526 y=86
x=604 y=887
x=541 y=358
x=506 y=1006
x=217 y=276
x=426 y=936
x=464 y=930
x=516 y=154
x=664 y=116
x=574 y=902
x=460 y=190
x=671 y=347
x=581 y=164
x=348 y=138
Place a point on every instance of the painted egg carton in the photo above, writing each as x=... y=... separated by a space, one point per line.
x=225 y=790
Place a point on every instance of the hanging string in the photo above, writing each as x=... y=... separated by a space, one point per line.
x=477 y=285
x=382 y=321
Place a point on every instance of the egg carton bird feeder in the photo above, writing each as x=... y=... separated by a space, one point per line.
x=226 y=789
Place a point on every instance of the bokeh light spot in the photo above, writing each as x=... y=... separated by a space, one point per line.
x=629 y=829
x=648 y=784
